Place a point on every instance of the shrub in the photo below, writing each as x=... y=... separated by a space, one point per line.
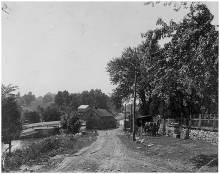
x=71 y=123
x=14 y=160
x=33 y=152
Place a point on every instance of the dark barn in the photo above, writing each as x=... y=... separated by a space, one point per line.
x=98 y=118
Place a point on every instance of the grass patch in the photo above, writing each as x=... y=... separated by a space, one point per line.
x=41 y=151
x=192 y=154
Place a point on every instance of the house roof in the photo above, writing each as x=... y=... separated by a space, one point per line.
x=103 y=113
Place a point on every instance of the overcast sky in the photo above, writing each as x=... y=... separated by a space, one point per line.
x=52 y=46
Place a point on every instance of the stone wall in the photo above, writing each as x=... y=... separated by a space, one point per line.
x=206 y=135
x=195 y=134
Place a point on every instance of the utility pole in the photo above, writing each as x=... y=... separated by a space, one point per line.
x=125 y=119
x=135 y=81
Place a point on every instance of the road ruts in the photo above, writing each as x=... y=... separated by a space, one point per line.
x=108 y=154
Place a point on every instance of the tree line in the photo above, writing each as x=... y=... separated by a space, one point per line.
x=179 y=78
x=50 y=107
x=94 y=98
x=17 y=110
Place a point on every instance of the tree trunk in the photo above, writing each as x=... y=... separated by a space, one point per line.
x=144 y=109
x=131 y=119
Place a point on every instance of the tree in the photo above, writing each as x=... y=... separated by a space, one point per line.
x=175 y=4
x=75 y=100
x=40 y=111
x=28 y=98
x=71 y=123
x=192 y=57
x=7 y=91
x=70 y=102
x=11 y=124
x=189 y=77
x=32 y=117
x=62 y=100
x=51 y=113
x=116 y=99
x=19 y=99
x=140 y=60
x=49 y=97
x=122 y=70
x=179 y=78
x=94 y=98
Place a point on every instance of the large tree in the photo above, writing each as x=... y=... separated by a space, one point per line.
x=192 y=59
x=179 y=77
x=139 y=61
x=11 y=124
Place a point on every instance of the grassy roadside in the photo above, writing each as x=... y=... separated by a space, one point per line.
x=44 y=152
x=177 y=154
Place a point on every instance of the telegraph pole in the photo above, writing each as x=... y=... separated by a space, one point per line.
x=135 y=81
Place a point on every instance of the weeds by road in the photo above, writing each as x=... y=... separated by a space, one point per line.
x=46 y=153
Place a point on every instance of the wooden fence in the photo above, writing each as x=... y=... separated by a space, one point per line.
x=200 y=122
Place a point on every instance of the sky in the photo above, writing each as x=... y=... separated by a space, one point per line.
x=56 y=46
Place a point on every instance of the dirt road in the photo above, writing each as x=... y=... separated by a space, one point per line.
x=108 y=154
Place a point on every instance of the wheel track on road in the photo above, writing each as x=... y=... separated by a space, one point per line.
x=107 y=154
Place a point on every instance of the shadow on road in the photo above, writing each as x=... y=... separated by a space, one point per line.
x=201 y=160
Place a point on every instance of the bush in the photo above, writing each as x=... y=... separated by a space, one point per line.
x=14 y=161
x=71 y=123
x=34 y=152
